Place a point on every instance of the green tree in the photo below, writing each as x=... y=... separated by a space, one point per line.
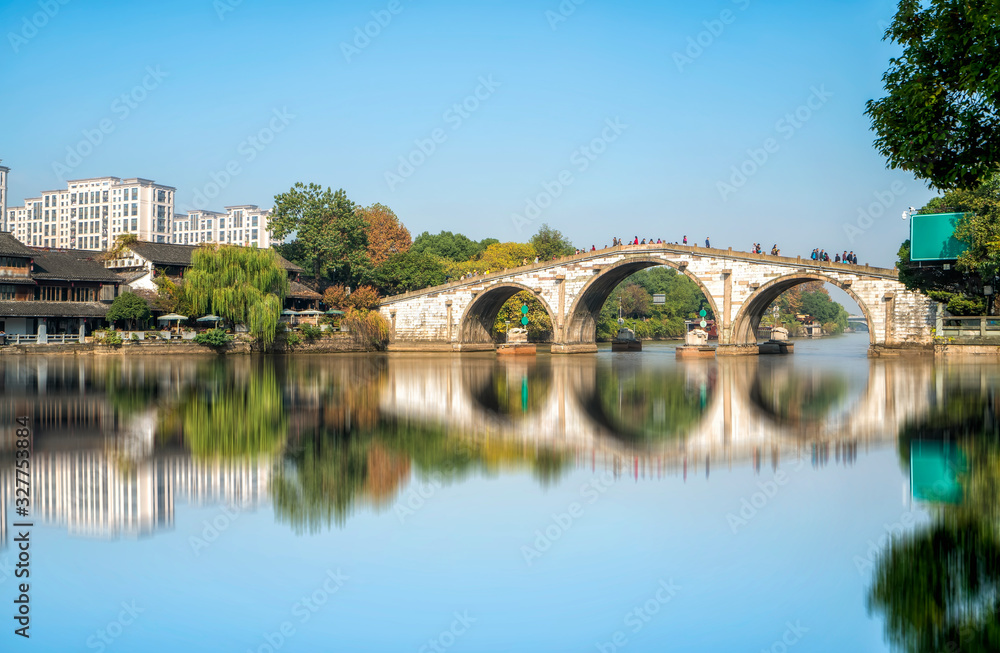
x=539 y=323
x=549 y=242
x=244 y=285
x=446 y=245
x=331 y=235
x=410 y=270
x=128 y=307
x=495 y=258
x=941 y=115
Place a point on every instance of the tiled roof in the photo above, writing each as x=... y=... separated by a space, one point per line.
x=52 y=309
x=170 y=254
x=297 y=290
x=71 y=265
x=10 y=246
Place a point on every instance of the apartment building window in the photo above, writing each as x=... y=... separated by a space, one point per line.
x=254 y=235
x=222 y=223
x=135 y=193
x=104 y=196
x=135 y=209
x=253 y=221
x=7 y=292
x=46 y=201
x=135 y=225
x=161 y=196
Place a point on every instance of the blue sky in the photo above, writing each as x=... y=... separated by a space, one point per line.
x=290 y=92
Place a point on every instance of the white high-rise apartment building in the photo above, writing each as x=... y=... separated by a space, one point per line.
x=240 y=225
x=3 y=197
x=91 y=213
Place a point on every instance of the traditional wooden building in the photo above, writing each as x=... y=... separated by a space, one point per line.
x=52 y=292
x=138 y=263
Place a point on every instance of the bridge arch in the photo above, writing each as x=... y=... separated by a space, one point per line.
x=477 y=321
x=749 y=316
x=581 y=321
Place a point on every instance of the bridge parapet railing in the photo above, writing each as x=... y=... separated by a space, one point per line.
x=975 y=326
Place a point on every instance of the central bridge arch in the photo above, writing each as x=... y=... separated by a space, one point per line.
x=481 y=313
x=581 y=323
x=749 y=316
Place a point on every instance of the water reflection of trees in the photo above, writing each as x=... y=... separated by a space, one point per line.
x=939 y=587
x=233 y=410
x=642 y=405
x=343 y=454
x=793 y=397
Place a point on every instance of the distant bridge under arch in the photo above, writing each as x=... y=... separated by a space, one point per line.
x=739 y=286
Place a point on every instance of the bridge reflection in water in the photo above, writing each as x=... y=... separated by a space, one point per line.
x=117 y=443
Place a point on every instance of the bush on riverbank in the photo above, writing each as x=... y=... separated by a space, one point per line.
x=214 y=338
x=368 y=328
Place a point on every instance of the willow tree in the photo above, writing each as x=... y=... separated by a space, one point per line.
x=244 y=285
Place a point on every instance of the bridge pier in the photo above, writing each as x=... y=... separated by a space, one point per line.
x=580 y=348
x=737 y=350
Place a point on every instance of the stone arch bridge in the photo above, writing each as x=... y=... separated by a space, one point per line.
x=739 y=286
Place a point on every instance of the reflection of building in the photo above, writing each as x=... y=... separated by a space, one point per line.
x=95 y=494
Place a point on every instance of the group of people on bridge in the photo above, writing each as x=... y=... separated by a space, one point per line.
x=817 y=253
x=824 y=256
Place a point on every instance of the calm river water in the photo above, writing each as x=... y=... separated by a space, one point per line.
x=615 y=502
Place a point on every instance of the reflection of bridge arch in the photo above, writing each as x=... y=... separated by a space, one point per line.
x=581 y=324
x=481 y=313
x=732 y=427
x=510 y=390
x=748 y=318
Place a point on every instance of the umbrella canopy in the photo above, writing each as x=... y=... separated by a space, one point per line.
x=334 y=312
x=170 y=317
x=311 y=311
x=209 y=318
x=288 y=311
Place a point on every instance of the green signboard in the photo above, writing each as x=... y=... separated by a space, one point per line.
x=932 y=237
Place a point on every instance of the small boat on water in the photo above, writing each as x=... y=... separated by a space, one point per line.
x=626 y=341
